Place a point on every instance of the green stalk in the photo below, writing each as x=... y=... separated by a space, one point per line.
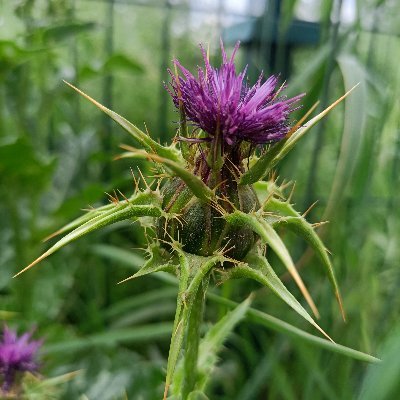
x=192 y=342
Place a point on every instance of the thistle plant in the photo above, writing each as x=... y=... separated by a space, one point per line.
x=215 y=206
x=17 y=356
x=20 y=376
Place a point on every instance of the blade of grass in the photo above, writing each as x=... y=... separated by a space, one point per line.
x=112 y=338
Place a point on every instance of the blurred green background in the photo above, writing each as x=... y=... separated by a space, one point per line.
x=56 y=155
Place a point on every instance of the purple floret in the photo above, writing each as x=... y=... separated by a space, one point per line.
x=219 y=101
x=17 y=354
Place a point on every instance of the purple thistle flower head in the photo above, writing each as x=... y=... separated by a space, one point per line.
x=17 y=354
x=221 y=103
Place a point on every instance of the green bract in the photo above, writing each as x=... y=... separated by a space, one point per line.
x=216 y=233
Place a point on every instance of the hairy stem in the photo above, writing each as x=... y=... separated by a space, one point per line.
x=192 y=342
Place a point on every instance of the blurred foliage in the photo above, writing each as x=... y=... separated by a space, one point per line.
x=55 y=157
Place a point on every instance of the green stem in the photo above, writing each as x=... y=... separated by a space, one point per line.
x=192 y=342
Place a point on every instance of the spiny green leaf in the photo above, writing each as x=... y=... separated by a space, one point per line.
x=130 y=260
x=214 y=339
x=149 y=144
x=279 y=150
x=260 y=270
x=278 y=325
x=157 y=262
x=264 y=164
x=270 y=237
x=120 y=212
x=202 y=271
x=264 y=319
x=298 y=224
x=198 y=187
x=281 y=208
x=265 y=189
x=140 y=198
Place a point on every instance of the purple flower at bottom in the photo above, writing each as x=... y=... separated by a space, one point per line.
x=221 y=103
x=17 y=354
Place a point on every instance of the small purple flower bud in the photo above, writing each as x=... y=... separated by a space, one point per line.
x=220 y=102
x=17 y=354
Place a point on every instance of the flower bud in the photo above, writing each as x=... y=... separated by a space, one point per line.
x=200 y=226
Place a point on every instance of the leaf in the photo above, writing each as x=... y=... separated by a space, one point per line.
x=278 y=325
x=279 y=150
x=266 y=368
x=126 y=257
x=382 y=381
x=149 y=144
x=311 y=72
x=129 y=259
x=66 y=207
x=63 y=31
x=139 y=198
x=112 y=338
x=273 y=323
x=122 y=62
x=353 y=130
x=259 y=269
x=265 y=189
x=270 y=237
x=212 y=343
x=4 y=315
x=120 y=212
x=156 y=263
x=197 y=395
x=157 y=296
x=12 y=55
x=60 y=379
x=116 y=62
x=298 y=224
x=37 y=388
x=160 y=311
x=263 y=165
x=197 y=186
x=20 y=166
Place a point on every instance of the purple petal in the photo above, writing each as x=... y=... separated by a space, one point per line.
x=17 y=354
x=220 y=99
